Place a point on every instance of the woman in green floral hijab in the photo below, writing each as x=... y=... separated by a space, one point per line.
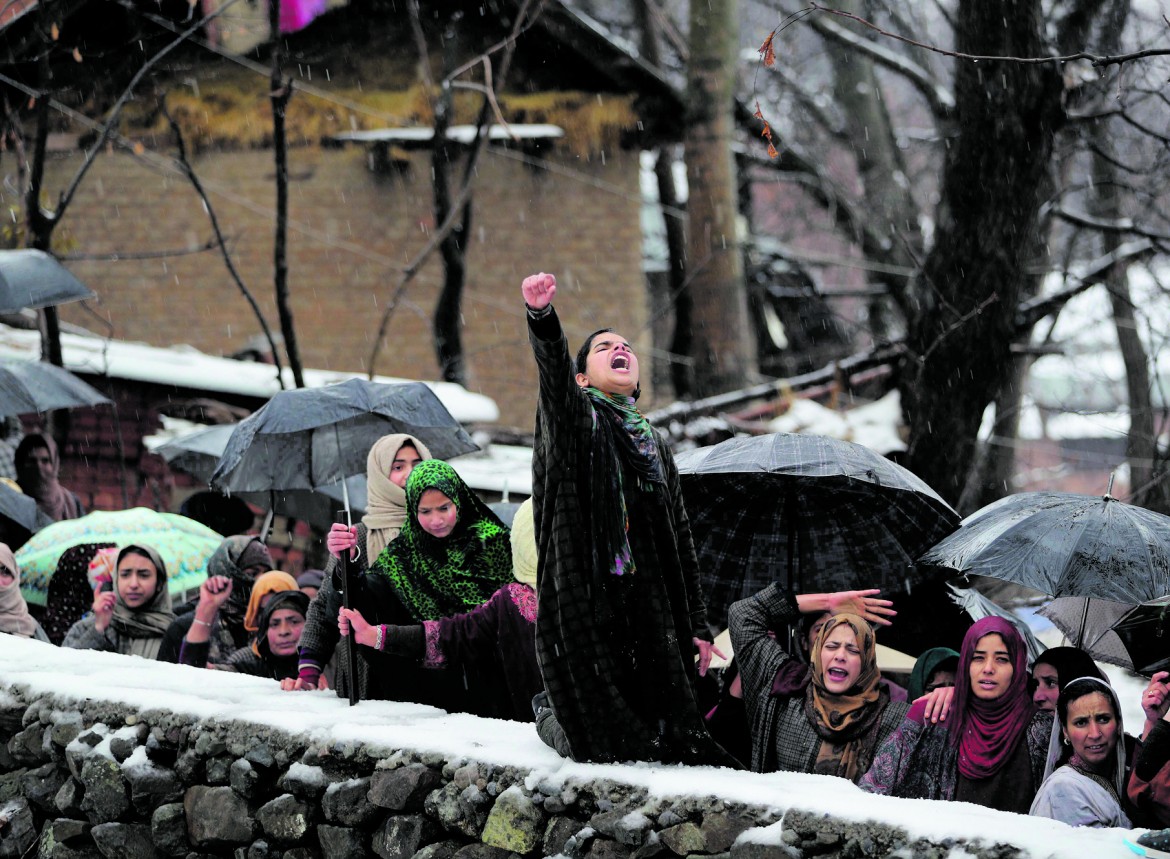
x=452 y=554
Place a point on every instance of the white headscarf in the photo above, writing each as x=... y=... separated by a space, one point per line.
x=14 y=616
x=1117 y=777
x=386 y=502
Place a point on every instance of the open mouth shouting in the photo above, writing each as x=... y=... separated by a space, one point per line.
x=620 y=362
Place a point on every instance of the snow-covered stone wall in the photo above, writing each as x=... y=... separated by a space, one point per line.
x=102 y=755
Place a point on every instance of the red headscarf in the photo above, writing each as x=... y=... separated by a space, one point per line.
x=987 y=732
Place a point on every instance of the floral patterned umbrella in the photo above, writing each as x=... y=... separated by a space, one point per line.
x=184 y=544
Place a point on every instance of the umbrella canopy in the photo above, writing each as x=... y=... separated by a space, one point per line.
x=37 y=386
x=31 y=278
x=977 y=606
x=1088 y=623
x=1145 y=634
x=1063 y=544
x=313 y=437
x=184 y=544
x=20 y=509
x=811 y=511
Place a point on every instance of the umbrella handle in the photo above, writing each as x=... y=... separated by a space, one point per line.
x=351 y=644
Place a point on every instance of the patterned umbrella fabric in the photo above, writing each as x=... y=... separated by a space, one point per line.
x=38 y=386
x=1063 y=544
x=185 y=546
x=814 y=512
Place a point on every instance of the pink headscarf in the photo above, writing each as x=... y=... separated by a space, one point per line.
x=987 y=732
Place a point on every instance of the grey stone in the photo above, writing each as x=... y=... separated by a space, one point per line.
x=629 y=828
x=684 y=839
x=66 y=839
x=438 y=850
x=80 y=750
x=40 y=786
x=168 y=829
x=554 y=805
x=347 y=803
x=482 y=851
x=752 y=850
x=258 y=849
x=721 y=830
x=556 y=833
x=245 y=779
x=670 y=818
x=285 y=819
x=209 y=745
x=122 y=747
x=26 y=747
x=306 y=782
x=10 y=784
x=68 y=798
x=218 y=770
x=402 y=789
x=20 y=833
x=301 y=853
x=515 y=823
x=260 y=756
x=152 y=786
x=652 y=847
x=603 y=848
x=449 y=806
x=465 y=776
x=342 y=842
x=124 y=841
x=216 y=817
x=65 y=732
x=401 y=836
x=160 y=750
x=189 y=767
x=106 y=798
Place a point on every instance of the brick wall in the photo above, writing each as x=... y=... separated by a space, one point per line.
x=352 y=231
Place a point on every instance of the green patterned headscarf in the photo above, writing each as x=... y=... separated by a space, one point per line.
x=438 y=577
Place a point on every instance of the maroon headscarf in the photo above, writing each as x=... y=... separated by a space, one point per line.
x=987 y=732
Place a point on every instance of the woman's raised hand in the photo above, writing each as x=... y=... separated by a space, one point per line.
x=862 y=603
x=103 y=608
x=340 y=538
x=539 y=290
x=1156 y=697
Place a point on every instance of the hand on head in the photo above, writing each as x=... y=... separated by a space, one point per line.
x=538 y=290
x=340 y=538
x=863 y=604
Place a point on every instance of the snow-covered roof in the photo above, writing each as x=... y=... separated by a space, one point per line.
x=187 y=367
x=457 y=133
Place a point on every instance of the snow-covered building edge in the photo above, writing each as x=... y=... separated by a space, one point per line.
x=108 y=755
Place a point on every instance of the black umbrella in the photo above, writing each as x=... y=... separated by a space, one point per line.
x=38 y=386
x=1063 y=544
x=806 y=510
x=313 y=437
x=1145 y=634
x=31 y=278
x=1087 y=623
x=19 y=516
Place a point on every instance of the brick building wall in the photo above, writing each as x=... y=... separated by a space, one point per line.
x=351 y=231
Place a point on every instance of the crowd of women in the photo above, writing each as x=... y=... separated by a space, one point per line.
x=443 y=610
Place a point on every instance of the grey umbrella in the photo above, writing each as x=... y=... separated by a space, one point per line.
x=19 y=516
x=313 y=437
x=1088 y=623
x=32 y=278
x=37 y=386
x=1063 y=544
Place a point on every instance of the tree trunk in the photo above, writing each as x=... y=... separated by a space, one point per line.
x=279 y=93
x=448 y=318
x=723 y=355
x=964 y=301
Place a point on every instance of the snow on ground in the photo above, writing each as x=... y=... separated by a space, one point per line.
x=144 y=685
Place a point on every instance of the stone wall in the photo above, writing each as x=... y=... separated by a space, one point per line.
x=107 y=779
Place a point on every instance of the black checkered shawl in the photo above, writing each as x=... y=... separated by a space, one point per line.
x=782 y=736
x=615 y=652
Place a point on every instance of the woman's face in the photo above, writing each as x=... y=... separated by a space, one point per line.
x=284 y=631
x=6 y=577
x=1047 y=686
x=137 y=580
x=939 y=678
x=404 y=462
x=437 y=514
x=40 y=461
x=991 y=667
x=840 y=659
x=1091 y=727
